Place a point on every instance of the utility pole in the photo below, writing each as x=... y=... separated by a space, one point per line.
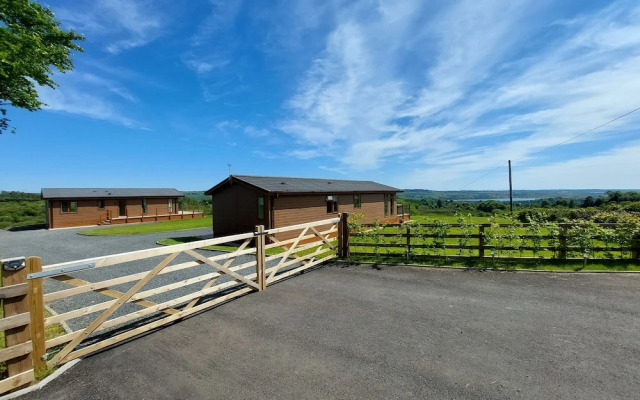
x=510 y=191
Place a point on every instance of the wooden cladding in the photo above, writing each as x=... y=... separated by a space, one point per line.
x=70 y=213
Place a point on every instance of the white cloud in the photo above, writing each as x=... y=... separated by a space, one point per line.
x=457 y=89
x=90 y=96
x=122 y=24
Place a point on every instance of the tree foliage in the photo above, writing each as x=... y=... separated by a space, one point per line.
x=31 y=43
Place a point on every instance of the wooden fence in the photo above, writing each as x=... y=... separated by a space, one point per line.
x=130 y=311
x=415 y=240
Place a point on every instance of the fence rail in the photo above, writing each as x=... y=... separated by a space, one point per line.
x=407 y=239
x=142 y=290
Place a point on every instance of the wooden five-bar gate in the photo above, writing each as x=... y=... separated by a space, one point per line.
x=259 y=260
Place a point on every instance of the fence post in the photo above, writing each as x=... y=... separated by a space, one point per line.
x=36 y=313
x=408 y=241
x=481 y=241
x=635 y=244
x=562 y=242
x=343 y=235
x=260 y=257
x=13 y=306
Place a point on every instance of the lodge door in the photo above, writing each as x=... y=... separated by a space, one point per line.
x=122 y=207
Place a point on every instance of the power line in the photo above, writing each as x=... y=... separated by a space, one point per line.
x=555 y=145
x=488 y=173
x=577 y=136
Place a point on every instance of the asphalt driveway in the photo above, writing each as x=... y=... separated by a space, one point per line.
x=357 y=331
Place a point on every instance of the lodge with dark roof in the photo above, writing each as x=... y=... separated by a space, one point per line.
x=69 y=207
x=241 y=202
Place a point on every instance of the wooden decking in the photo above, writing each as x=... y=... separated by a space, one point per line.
x=152 y=218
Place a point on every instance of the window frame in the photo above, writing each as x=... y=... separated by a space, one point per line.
x=144 y=205
x=332 y=202
x=101 y=204
x=71 y=206
x=170 y=206
x=386 y=205
x=357 y=200
x=260 y=207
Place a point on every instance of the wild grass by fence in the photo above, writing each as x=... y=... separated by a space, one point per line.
x=513 y=240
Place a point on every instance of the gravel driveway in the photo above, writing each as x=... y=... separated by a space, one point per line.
x=61 y=245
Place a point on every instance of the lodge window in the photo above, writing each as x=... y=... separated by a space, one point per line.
x=386 y=205
x=260 y=207
x=393 y=204
x=170 y=205
x=69 y=206
x=144 y=206
x=100 y=204
x=357 y=201
x=332 y=204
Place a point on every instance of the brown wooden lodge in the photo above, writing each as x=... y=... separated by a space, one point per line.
x=242 y=202
x=70 y=207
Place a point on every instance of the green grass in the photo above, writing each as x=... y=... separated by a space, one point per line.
x=50 y=332
x=150 y=227
x=452 y=219
x=234 y=246
x=488 y=263
x=189 y=239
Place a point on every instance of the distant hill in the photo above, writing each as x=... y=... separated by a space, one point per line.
x=415 y=194
x=196 y=195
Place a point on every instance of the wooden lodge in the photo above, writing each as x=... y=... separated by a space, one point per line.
x=73 y=207
x=242 y=202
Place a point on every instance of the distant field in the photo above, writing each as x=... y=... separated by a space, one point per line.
x=16 y=213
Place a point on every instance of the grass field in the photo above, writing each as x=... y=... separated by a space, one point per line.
x=452 y=219
x=150 y=227
x=21 y=213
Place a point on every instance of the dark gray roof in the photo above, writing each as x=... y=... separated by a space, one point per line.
x=276 y=184
x=86 y=193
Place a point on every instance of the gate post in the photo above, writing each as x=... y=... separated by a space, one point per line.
x=36 y=313
x=343 y=235
x=260 y=257
x=13 y=306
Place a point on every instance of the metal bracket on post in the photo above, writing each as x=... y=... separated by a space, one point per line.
x=61 y=271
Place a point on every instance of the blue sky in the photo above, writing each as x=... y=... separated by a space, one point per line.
x=414 y=94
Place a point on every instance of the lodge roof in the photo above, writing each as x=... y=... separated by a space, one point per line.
x=286 y=185
x=89 y=193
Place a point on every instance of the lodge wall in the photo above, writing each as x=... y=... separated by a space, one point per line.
x=88 y=211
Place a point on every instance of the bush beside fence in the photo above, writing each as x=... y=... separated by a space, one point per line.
x=513 y=240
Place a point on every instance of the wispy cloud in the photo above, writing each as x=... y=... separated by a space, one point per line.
x=89 y=96
x=122 y=24
x=464 y=85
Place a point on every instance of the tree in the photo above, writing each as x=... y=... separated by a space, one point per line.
x=491 y=206
x=31 y=42
x=588 y=202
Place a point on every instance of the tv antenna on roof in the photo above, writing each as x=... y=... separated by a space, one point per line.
x=229 y=166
